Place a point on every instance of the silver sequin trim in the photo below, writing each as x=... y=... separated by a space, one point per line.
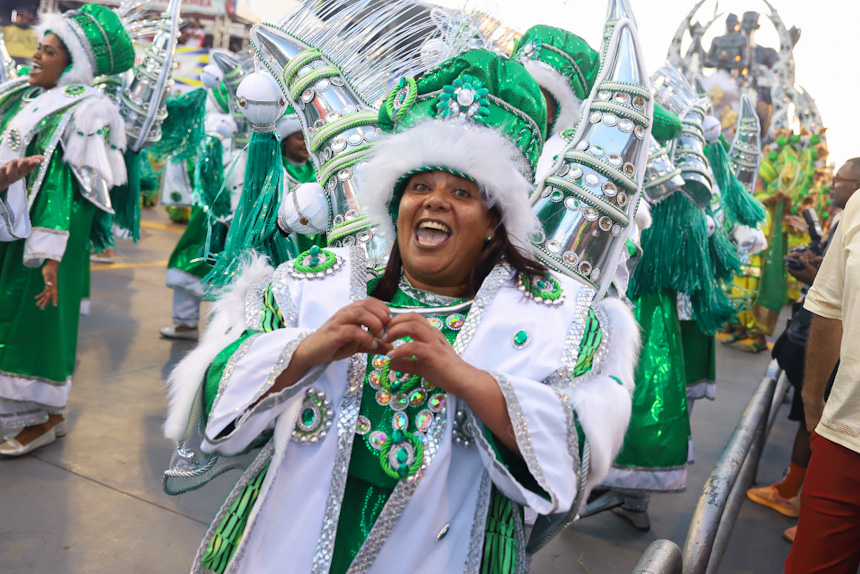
x=479 y=526
x=521 y=431
x=345 y=426
x=231 y=365
x=254 y=303
x=577 y=328
x=281 y=291
x=560 y=383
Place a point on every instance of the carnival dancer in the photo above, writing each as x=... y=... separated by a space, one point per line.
x=298 y=169
x=194 y=142
x=462 y=400
x=55 y=113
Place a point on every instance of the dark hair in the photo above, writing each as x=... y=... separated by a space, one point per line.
x=498 y=249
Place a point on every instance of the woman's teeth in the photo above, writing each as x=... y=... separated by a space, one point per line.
x=432 y=233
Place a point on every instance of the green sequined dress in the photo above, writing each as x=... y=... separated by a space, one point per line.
x=37 y=347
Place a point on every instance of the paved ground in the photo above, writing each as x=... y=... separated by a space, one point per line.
x=92 y=503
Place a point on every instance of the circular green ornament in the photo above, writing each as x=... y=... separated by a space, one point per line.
x=401 y=455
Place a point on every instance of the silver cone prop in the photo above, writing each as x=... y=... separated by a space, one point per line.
x=234 y=73
x=745 y=152
x=674 y=92
x=616 y=10
x=340 y=131
x=8 y=68
x=662 y=178
x=587 y=204
x=142 y=104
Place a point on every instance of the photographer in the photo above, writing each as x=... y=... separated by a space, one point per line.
x=790 y=348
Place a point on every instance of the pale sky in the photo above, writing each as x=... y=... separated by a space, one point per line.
x=825 y=56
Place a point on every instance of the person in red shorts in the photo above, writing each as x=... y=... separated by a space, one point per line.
x=828 y=532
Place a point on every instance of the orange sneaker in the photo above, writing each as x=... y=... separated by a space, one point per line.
x=770 y=497
x=790 y=533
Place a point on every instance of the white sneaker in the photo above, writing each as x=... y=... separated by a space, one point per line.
x=172 y=333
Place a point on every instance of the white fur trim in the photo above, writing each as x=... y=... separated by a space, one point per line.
x=480 y=152
x=226 y=324
x=91 y=151
x=602 y=405
x=288 y=125
x=82 y=71
x=569 y=106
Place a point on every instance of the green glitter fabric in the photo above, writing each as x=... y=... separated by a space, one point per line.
x=183 y=132
x=515 y=103
x=564 y=52
x=666 y=124
x=104 y=37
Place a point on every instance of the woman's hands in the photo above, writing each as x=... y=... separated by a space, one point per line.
x=355 y=328
x=428 y=354
x=50 y=294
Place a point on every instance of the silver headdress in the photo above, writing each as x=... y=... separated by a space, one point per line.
x=587 y=204
x=334 y=61
x=745 y=152
x=142 y=103
x=676 y=94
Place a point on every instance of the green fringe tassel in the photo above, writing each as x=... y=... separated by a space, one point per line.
x=183 y=132
x=126 y=198
x=724 y=255
x=739 y=206
x=101 y=232
x=210 y=195
x=253 y=227
x=148 y=182
x=677 y=256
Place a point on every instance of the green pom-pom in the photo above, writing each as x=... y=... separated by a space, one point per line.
x=794 y=210
x=795 y=138
x=781 y=141
x=815 y=139
x=825 y=189
x=828 y=202
x=825 y=215
x=772 y=156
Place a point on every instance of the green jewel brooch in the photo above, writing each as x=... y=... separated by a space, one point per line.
x=530 y=50
x=546 y=289
x=401 y=455
x=74 y=90
x=465 y=100
x=315 y=418
x=316 y=263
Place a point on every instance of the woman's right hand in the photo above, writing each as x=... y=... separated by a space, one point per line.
x=356 y=328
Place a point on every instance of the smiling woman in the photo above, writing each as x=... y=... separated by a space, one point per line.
x=51 y=59
x=417 y=414
x=45 y=219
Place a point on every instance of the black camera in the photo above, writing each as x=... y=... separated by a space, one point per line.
x=815 y=234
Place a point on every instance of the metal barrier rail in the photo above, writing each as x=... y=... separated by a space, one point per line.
x=724 y=491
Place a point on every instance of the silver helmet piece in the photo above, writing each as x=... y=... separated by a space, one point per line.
x=587 y=203
x=662 y=178
x=675 y=93
x=745 y=153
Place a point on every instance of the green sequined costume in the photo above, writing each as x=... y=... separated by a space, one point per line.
x=32 y=387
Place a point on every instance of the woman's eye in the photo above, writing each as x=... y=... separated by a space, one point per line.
x=462 y=194
x=420 y=187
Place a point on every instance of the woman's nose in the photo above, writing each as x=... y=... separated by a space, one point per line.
x=436 y=199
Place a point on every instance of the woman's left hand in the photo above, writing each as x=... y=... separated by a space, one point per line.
x=50 y=294
x=428 y=354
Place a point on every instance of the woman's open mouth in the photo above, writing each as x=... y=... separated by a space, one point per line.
x=430 y=234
